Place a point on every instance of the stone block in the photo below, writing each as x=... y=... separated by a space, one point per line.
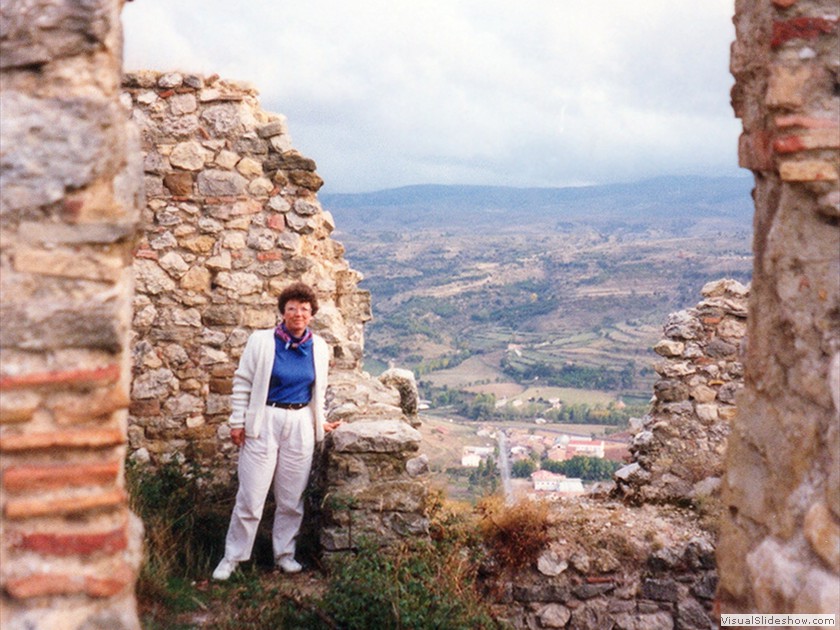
x=306 y=179
x=217 y=183
x=105 y=266
x=823 y=534
x=180 y=104
x=189 y=156
x=664 y=590
x=376 y=436
x=786 y=85
x=808 y=171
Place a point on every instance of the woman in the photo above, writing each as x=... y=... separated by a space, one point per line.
x=278 y=415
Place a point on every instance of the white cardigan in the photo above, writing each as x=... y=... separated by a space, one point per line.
x=251 y=380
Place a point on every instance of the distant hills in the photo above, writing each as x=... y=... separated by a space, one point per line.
x=652 y=200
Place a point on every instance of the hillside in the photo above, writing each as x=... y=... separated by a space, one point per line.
x=504 y=286
x=686 y=199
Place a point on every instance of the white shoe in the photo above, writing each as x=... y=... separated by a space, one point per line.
x=224 y=570
x=289 y=565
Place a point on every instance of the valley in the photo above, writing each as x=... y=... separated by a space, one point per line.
x=488 y=291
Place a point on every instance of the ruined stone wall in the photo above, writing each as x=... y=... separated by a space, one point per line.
x=648 y=567
x=644 y=557
x=678 y=448
x=70 y=191
x=779 y=549
x=231 y=218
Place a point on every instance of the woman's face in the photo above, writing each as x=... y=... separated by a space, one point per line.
x=296 y=316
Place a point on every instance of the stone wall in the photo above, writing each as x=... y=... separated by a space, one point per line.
x=647 y=567
x=231 y=218
x=70 y=191
x=779 y=549
x=678 y=448
x=643 y=557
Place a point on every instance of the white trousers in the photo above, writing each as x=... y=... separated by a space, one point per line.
x=282 y=454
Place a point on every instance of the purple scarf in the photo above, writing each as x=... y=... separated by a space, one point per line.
x=301 y=344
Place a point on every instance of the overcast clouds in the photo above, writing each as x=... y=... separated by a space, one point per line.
x=536 y=93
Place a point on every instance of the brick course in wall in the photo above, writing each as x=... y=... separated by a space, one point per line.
x=70 y=190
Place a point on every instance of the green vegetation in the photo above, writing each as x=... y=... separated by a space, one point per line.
x=583 y=467
x=424 y=584
x=484 y=480
x=522 y=468
x=570 y=375
x=483 y=407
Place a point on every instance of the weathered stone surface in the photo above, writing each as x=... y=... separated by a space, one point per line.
x=216 y=183
x=377 y=436
x=403 y=381
x=187 y=155
x=679 y=445
x=554 y=616
x=777 y=463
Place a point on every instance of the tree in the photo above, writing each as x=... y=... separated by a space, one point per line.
x=522 y=469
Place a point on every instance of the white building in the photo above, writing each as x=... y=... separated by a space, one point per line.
x=472 y=456
x=590 y=448
x=545 y=481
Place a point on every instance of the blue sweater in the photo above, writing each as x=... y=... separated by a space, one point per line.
x=292 y=375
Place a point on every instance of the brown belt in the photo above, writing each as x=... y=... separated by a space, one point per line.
x=280 y=405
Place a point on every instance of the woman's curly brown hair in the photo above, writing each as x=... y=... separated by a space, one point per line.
x=300 y=292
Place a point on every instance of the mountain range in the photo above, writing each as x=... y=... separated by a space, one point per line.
x=651 y=200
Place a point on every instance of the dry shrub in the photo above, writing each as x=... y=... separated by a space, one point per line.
x=516 y=534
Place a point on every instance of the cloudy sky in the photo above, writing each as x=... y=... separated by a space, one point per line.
x=533 y=93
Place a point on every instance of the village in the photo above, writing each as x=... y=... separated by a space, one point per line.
x=534 y=455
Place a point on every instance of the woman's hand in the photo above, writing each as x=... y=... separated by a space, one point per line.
x=329 y=426
x=237 y=436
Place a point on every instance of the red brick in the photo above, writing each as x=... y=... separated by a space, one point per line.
x=269 y=256
x=801 y=28
x=95 y=376
x=75 y=544
x=41 y=584
x=809 y=122
x=18 y=478
x=784 y=4
x=30 y=508
x=277 y=222
x=166 y=93
x=816 y=139
x=45 y=584
x=79 y=438
x=146 y=253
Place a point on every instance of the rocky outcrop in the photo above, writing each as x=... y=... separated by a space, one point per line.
x=678 y=448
